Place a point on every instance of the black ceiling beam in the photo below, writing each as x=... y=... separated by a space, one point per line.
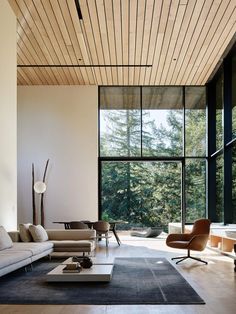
x=83 y=66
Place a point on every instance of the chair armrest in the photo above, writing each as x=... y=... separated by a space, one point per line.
x=198 y=242
x=178 y=237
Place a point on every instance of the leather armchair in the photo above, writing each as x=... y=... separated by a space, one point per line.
x=195 y=241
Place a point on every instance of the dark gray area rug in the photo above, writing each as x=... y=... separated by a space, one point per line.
x=134 y=281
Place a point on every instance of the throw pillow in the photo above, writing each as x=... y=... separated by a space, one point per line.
x=25 y=234
x=39 y=234
x=5 y=239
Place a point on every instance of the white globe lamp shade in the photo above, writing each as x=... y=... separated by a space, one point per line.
x=40 y=187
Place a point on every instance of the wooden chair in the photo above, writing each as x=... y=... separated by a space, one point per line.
x=196 y=240
x=102 y=229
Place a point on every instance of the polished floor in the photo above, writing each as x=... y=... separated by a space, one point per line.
x=215 y=282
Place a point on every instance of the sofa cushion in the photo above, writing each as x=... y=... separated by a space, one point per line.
x=25 y=234
x=76 y=234
x=39 y=234
x=8 y=258
x=34 y=248
x=68 y=244
x=5 y=239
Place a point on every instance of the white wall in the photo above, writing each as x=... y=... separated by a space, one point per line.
x=8 y=171
x=59 y=123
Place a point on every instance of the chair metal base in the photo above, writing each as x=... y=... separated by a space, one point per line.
x=182 y=258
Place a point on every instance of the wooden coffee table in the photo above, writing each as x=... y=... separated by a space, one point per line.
x=100 y=271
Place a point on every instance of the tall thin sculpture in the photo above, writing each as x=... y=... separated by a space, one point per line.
x=35 y=218
x=39 y=187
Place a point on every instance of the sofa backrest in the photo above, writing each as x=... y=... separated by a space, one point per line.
x=75 y=234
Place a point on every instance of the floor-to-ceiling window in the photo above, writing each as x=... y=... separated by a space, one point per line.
x=222 y=142
x=152 y=154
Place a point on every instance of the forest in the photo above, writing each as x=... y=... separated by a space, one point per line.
x=147 y=192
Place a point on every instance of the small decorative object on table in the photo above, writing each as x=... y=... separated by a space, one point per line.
x=72 y=268
x=84 y=261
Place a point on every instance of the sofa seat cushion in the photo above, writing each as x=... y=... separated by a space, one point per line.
x=71 y=243
x=8 y=258
x=32 y=247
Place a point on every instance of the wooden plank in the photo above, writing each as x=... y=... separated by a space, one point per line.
x=97 y=38
x=153 y=38
x=224 y=39
x=166 y=40
x=118 y=38
x=25 y=80
x=204 y=40
x=73 y=47
x=111 y=38
x=27 y=59
x=172 y=43
x=198 y=32
x=160 y=37
x=180 y=40
x=227 y=20
x=187 y=39
x=50 y=36
x=104 y=39
x=30 y=72
x=132 y=38
x=33 y=30
x=139 y=38
x=149 y=12
x=81 y=41
x=88 y=31
x=29 y=38
x=125 y=39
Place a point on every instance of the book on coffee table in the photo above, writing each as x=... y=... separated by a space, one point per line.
x=72 y=268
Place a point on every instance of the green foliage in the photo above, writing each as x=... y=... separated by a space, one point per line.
x=149 y=193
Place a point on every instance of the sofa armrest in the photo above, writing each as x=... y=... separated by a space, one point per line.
x=15 y=236
x=75 y=234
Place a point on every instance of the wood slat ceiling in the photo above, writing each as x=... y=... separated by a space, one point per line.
x=183 y=40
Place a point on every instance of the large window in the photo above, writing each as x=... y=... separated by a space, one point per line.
x=220 y=188
x=219 y=112
x=234 y=184
x=120 y=116
x=233 y=88
x=141 y=193
x=222 y=143
x=195 y=185
x=162 y=121
x=148 y=136
x=195 y=119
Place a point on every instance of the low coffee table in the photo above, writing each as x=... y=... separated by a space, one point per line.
x=100 y=271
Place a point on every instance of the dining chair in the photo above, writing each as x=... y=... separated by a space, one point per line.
x=102 y=230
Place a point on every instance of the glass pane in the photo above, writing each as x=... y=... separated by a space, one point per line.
x=195 y=186
x=220 y=189
x=219 y=112
x=120 y=121
x=234 y=183
x=162 y=119
x=141 y=193
x=233 y=96
x=195 y=121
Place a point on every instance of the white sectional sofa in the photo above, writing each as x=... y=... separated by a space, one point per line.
x=18 y=254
